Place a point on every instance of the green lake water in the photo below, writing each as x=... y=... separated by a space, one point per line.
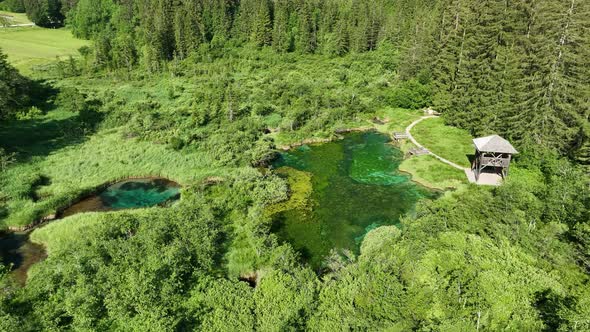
x=356 y=187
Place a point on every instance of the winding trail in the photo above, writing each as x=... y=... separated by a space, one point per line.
x=408 y=132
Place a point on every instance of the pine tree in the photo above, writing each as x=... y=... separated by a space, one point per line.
x=555 y=73
x=282 y=38
x=449 y=55
x=188 y=28
x=307 y=29
x=262 y=32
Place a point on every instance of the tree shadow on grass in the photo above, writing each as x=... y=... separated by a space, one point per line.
x=551 y=307
x=40 y=136
x=42 y=94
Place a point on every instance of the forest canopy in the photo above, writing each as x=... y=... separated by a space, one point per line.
x=521 y=63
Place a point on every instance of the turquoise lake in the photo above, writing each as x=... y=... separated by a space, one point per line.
x=356 y=187
x=128 y=194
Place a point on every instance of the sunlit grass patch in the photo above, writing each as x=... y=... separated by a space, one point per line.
x=448 y=142
x=30 y=46
x=397 y=119
x=432 y=173
x=15 y=18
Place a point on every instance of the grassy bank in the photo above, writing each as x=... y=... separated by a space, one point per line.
x=432 y=173
x=448 y=142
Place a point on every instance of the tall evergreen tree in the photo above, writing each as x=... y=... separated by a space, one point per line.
x=262 y=31
x=45 y=13
x=282 y=35
x=13 y=89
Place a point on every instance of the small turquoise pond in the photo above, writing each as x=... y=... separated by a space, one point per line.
x=18 y=251
x=128 y=194
x=356 y=187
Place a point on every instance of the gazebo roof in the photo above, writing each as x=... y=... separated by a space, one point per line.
x=494 y=143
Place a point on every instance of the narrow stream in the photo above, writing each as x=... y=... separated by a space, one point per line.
x=17 y=251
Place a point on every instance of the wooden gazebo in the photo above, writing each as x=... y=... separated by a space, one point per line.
x=492 y=151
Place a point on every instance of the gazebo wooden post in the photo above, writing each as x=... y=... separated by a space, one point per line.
x=508 y=166
x=476 y=165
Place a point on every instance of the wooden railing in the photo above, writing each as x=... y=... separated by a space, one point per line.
x=497 y=162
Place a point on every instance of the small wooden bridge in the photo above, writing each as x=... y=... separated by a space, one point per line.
x=419 y=151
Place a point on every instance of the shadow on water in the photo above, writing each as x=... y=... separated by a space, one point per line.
x=41 y=135
x=20 y=254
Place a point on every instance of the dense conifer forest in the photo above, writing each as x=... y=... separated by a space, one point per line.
x=204 y=92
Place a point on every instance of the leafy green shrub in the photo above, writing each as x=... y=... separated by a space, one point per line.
x=15 y=6
x=71 y=100
x=6 y=159
x=32 y=113
x=410 y=94
x=176 y=143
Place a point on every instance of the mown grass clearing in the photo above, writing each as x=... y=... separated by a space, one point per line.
x=30 y=46
x=451 y=143
x=428 y=170
x=15 y=18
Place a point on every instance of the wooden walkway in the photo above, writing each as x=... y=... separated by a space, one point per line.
x=419 y=152
x=399 y=136
x=421 y=147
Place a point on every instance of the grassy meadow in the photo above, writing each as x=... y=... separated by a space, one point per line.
x=15 y=18
x=57 y=161
x=396 y=119
x=432 y=173
x=27 y=47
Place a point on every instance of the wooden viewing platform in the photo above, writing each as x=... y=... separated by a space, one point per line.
x=418 y=151
x=399 y=136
